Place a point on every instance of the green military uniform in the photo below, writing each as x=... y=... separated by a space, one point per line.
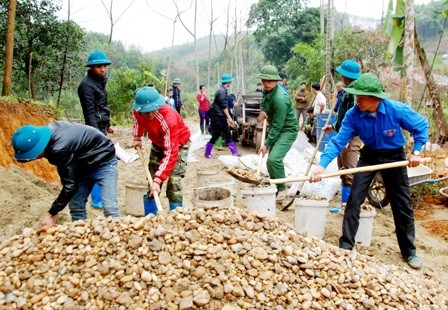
x=283 y=130
x=174 y=183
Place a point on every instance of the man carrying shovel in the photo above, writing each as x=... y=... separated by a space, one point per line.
x=283 y=128
x=170 y=142
x=379 y=122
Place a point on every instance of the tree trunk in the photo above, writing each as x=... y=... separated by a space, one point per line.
x=328 y=49
x=209 y=61
x=196 y=43
x=322 y=17
x=441 y=130
x=9 y=48
x=64 y=59
x=168 y=74
x=408 y=53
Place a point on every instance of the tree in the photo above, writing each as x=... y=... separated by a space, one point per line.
x=281 y=26
x=7 y=73
x=111 y=16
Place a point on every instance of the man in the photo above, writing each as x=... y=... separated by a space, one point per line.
x=310 y=128
x=348 y=158
x=302 y=98
x=204 y=105
x=170 y=142
x=283 y=80
x=221 y=118
x=320 y=102
x=83 y=157
x=176 y=94
x=379 y=122
x=93 y=97
x=276 y=107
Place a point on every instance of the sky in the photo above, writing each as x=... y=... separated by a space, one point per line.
x=148 y=24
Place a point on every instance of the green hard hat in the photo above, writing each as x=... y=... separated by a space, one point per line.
x=97 y=58
x=269 y=73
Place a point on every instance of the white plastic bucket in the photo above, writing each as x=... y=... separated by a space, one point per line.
x=226 y=183
x=133 y=203
x=364 y=234
x=260 y=200
x=209 y=197
x=205 y=175
x=311 y=216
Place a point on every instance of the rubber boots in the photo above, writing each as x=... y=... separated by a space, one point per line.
x=345 y=193
x=202 y=129
x=208 y=150
x=96 y=197
x=218 y=144
x=233 y=149
x=175 y=204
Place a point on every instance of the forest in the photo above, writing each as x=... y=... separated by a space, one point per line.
x=307 y=43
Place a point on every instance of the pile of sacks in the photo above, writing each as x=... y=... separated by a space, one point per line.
x=199 y=259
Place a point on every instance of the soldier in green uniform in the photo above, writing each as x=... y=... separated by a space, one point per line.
x=277 y=108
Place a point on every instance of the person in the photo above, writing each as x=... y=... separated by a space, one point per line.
x=320 y=102
x=277 y=108
x=95 y=107
x=310 y=129
x=169 y=98
x=282 y=82
x=176 y=94
x=170 y=142
x=259 y=89
x=83 y=156
x=379 y=122
x=221 y=118
x=302 y=98
x=349 y=70
x=340 y=92
x=204 y=105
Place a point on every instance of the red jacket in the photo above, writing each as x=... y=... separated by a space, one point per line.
x=204 y=102
x=166 y=131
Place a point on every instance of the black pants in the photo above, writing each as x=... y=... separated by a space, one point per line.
x=396 y=183
x=219 y=126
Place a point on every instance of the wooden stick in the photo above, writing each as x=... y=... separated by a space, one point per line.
x=148 y=176
x=263 y=136
x=348 y=171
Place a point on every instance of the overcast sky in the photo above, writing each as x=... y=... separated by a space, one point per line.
x=148 y=24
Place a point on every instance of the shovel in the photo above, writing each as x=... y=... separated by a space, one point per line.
x=148 y=176
x=263 y=136
x=324 y=175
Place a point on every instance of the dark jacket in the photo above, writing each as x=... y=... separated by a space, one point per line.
x=219 y=104
x=176 y=97
x=93 y=96
x=346 y=102
x=76 y=150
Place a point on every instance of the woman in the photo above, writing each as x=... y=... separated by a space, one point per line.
x=204 y=106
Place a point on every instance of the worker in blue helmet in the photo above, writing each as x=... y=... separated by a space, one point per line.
x=83 y=157
x=93 y=97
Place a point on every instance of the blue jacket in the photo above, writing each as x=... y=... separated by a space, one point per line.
x=380 y=132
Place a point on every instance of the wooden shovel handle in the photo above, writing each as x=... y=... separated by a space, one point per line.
x=348 y=171
x=263 y=136
x=148 y=176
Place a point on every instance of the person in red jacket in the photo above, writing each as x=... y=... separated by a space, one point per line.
x=204 y=105
x=170 y=142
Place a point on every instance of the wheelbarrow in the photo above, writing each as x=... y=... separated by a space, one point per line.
x=377 y=194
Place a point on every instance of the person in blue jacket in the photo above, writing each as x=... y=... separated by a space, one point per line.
x=379 y=122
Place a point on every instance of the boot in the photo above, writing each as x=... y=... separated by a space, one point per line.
x=175 y=204
x=207 y=129
x=233 y=149
x=218 y=144
x=96 y=197
x=208 y=150
x=345 y=193
x=202 y=129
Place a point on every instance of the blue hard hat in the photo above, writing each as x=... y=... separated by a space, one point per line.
x=226 y=78
x=30 y=141
x=176 y=81
x=147 y=99
x=97 y=58
x=350 y=69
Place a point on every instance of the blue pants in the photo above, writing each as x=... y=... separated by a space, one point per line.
x=106 y=176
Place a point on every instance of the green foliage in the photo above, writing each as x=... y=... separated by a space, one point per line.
x=430 y=19
x=280 y=25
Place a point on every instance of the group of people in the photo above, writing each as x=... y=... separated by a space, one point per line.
x=369 y=124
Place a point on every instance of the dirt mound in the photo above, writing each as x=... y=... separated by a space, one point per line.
x=13 y=116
